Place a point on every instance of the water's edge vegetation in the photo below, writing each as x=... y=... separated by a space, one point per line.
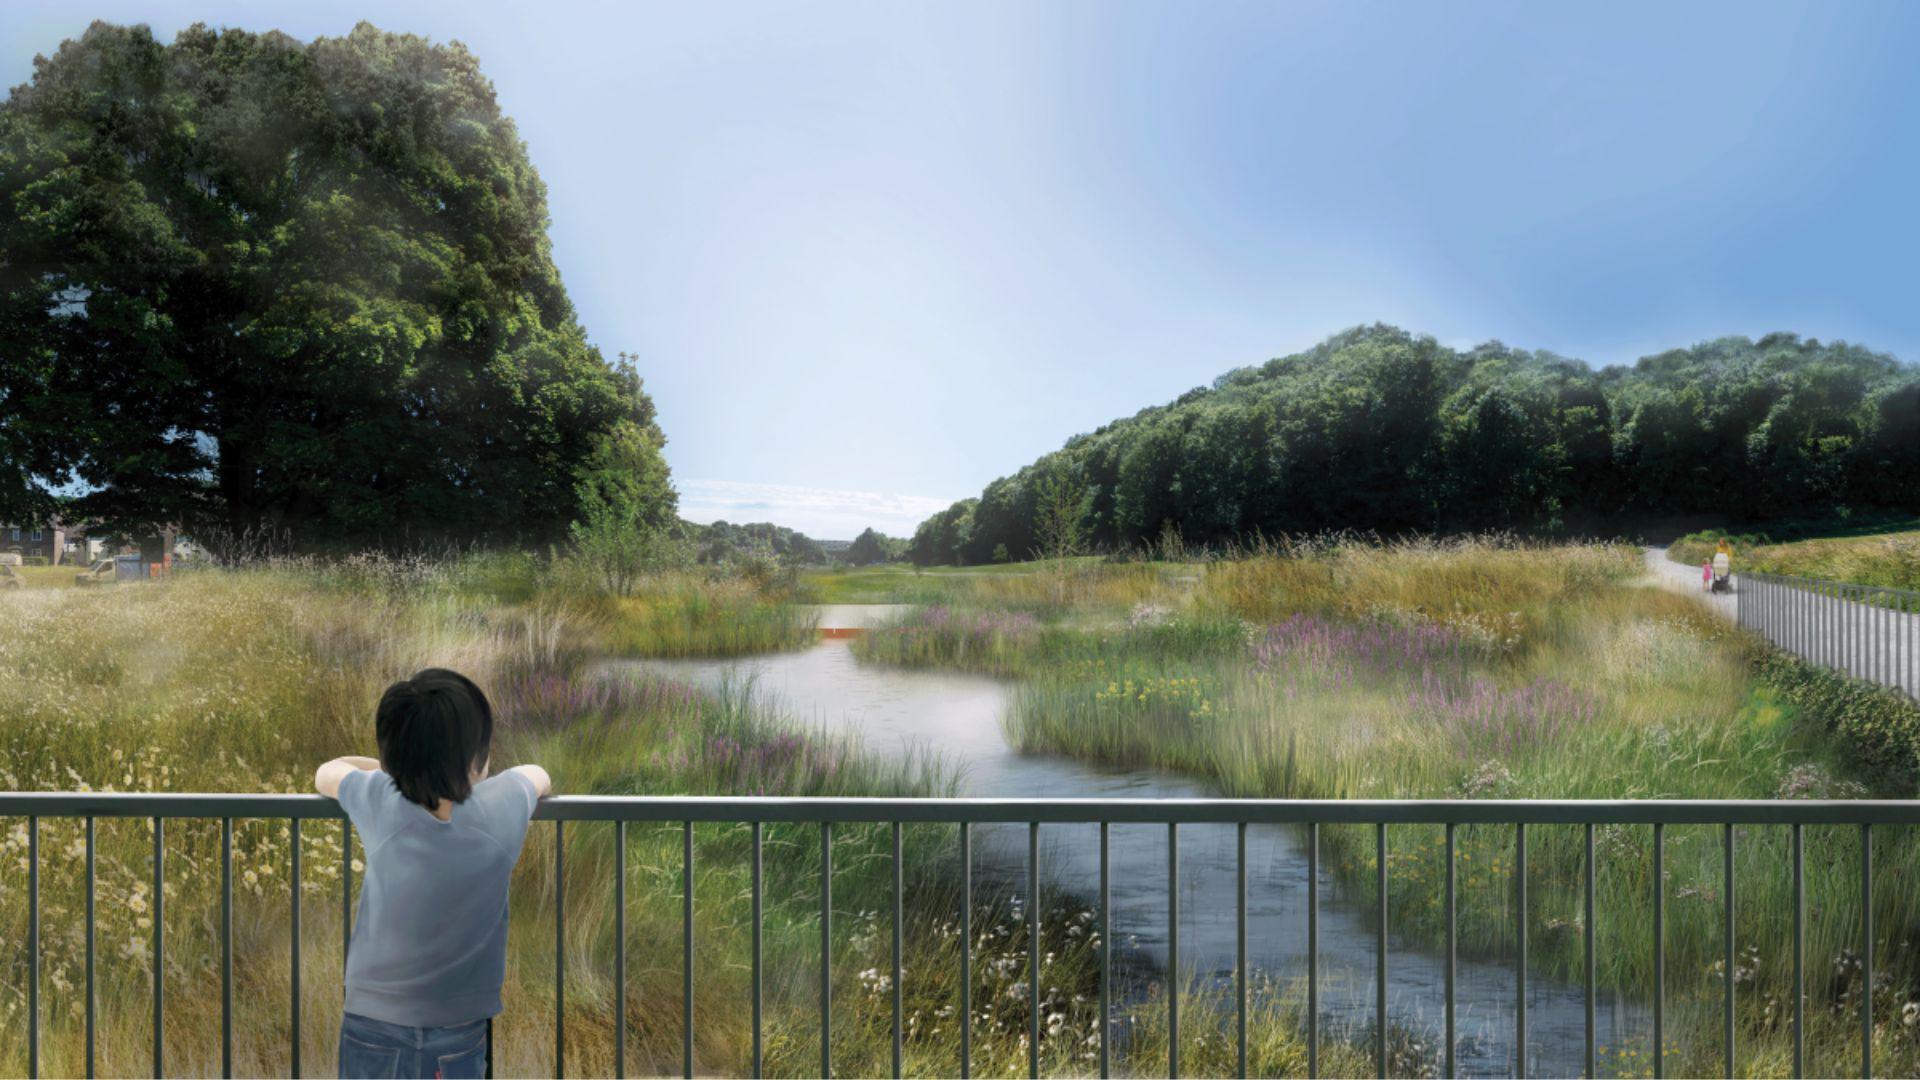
x=1472 y=669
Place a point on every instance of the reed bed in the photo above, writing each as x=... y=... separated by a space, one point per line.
x=1479 y=669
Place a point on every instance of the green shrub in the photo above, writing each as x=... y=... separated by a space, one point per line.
x=1876 y=727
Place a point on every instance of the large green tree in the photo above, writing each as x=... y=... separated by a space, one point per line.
x=252 y=283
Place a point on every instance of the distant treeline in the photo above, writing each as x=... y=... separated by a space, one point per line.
x=1379 y=429
x=724 y=541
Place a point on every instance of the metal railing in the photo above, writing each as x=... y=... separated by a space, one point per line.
x=1307 y=815
x=1866 y=631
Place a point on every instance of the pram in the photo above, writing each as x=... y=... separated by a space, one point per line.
x=1722 y=573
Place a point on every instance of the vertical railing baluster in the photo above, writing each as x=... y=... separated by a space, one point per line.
x=1889 y=637
x=759 y=874
x=1905 y=643
x=1659 y=950
x=686 y=949
x=1875 y=626
x=1313 y=949
x=1831 y=620
x=1837 y=615
x=1823 y=625
x=1106 y=954
x=226 y=947
x=559 y=948
x=1587 y=946
x=1799 y=952
x=1173 y=950
x=1380 y=949
x=1726 y=855
x=1843 y=597
x=1855 y=631
x=346 y=894
x=1240 y=949
x=966 y=951
x=1871 y=597
x=620 y=949
x=159 y=947
x=1033 y=949
x=1520 y=934
x=1453 y=957
x=33 y=945
x=1889 y=644
x=899 y=909
x=826 y=950
x=1866 y=950
x=294 y=945
x=90 y=951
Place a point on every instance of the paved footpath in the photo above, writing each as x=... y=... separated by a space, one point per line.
x=1673 y=575
x=1863 y=640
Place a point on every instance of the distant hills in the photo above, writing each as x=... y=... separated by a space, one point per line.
x=1380 y=429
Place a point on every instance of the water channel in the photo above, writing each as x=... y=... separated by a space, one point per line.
x=957 y=718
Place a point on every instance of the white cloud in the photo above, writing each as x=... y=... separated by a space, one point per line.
x=822 y=513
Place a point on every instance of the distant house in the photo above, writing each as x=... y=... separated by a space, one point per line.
x=49 y=542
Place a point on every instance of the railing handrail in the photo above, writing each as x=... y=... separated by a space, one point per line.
x=1121 y=811
x=965 y=812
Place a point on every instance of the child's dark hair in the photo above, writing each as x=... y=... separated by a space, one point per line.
x=434 y=730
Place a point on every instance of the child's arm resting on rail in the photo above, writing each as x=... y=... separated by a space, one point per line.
x=326 y=779
x=537 y=776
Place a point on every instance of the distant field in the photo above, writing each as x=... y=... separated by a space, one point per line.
x=45 y=577
x=902 y=584
x=1889 y=557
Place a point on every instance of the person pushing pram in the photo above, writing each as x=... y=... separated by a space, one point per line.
x=1717 y=576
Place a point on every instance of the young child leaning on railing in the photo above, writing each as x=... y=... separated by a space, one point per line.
x=429 y=946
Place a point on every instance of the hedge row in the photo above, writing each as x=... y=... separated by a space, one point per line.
x=1878 y=728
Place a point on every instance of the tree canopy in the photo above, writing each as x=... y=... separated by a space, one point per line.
x=873 y=546
x=1378 y=429
x=252 y=283
x=722 y=541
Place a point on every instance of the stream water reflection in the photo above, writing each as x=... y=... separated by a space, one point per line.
x=958 y=719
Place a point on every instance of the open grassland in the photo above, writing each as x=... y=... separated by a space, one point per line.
x=1890 y=559
x=46 y=577
x=1480 y=670
x=244 y=680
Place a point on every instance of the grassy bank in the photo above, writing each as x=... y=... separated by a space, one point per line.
x=1484 y=670
x=243 y=680
x=1890 y=559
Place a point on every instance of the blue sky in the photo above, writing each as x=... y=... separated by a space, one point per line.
x=872 y=256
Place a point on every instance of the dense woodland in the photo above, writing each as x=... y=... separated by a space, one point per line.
x=1379 y=429
x=252 y=285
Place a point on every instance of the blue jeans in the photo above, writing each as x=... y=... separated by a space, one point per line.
x=377 y=1050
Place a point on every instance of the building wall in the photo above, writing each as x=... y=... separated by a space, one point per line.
x=50 y=546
